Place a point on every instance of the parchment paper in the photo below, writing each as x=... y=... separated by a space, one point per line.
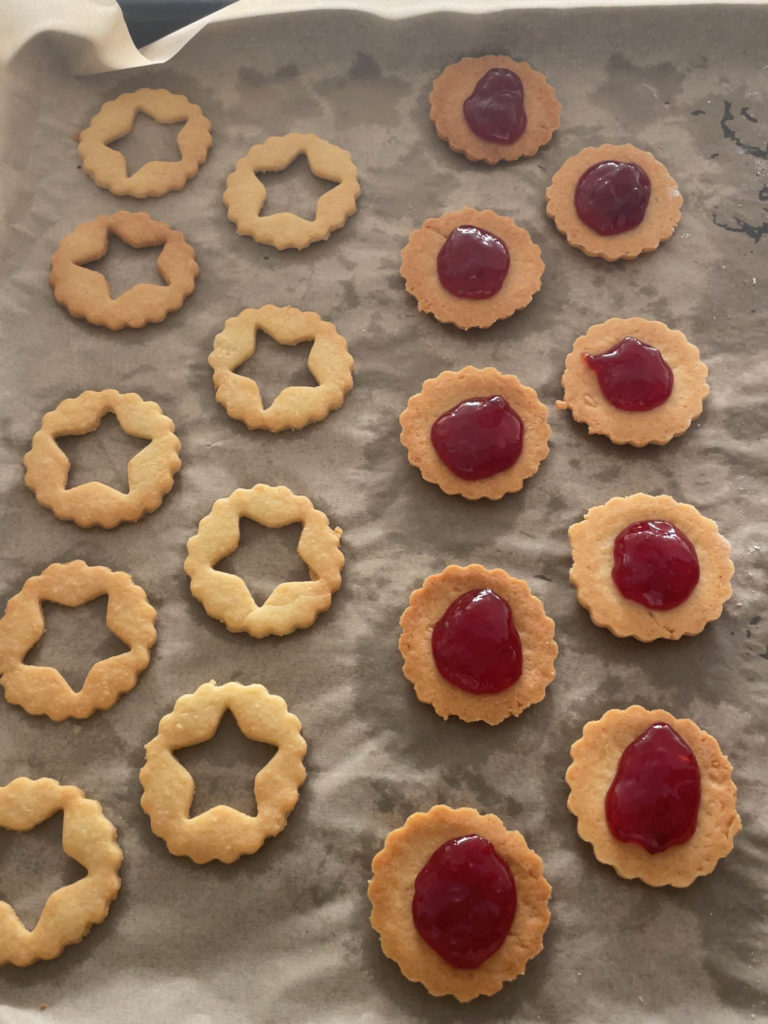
x=283 y=935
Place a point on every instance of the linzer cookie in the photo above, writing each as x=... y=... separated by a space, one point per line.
x=653 y=795
x=493 y=108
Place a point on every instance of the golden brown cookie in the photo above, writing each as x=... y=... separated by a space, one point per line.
x=88 y=838
x=245 y=194
x=41 y=689
x=494 y=445
x=150 y=471
x=583 y=395
x=222 y=833
x=593 y=545
x=661 y=215
x=595 y=762
x=532 y=654
x=329 y=362
x=391 y=891
x=458 y=81
x=419 y=269
x=84 y=293
x=115 y=120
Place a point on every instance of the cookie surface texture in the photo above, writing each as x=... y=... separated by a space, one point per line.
x=150 y=471
x=419 y=269
x=426 y=608
x=661 y=215
x=594 y=762
x=583 y=396
x=291 y=605
x=41 y=689
x=441 y=394
x=222 y=833
x=245 y=194
x=592 y=543
x=457 y=82
x=115 y=120
x=88 y=838
x=84 y=293
x=394 y=870
x=328 y=361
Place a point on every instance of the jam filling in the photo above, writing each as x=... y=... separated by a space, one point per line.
x=478 y=437
x=464 y=901
x=472 y=263
x=654 y=797
x=612 y=197
x=495 y=111
x=475 y=644
x=633 y=376
x=655 y=564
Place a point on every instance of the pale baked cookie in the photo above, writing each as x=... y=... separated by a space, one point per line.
x=649 y=567
x=634 y=380
x=513 y=108
x=245 y=194
x=290 y=606
x=88 y=838
x=471 y=267
x=150 y=471
x=329 y=362
x=476 y=432
x=41 y=689
x=115 y=120
x=614 y=201
x=653 y=795
x=490 y=637
x=85 y=294
x=409 y=902
x=222 y=833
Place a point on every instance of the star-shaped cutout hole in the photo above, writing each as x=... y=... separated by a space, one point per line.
x=275 y=367
x=265 y=557
x=148 y=140
x=295 y=189
x=102 y=454
x=122 y=266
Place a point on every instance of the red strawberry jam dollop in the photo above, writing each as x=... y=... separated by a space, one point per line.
x=612 y=197
x=655 y=564
x=475 y=644
x=464 y=901
x=654 y=797
x=472 y=263
x=479 y=437
x=495 y=111
x=633 y=376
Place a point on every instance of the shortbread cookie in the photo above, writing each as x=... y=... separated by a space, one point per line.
x=150 y=471
x=245 y=194
x=636 y=381
x=329 y=362
x=88 y=838
x=653 y=795
x=222 y=833
x=614 y=201
x=494 y=108
x=84 y=293
x=41 y=689
x=115 y=120
x=290 y=606
x=649 y=567
x=459 y=902
x=477 y=433
x=477 y=644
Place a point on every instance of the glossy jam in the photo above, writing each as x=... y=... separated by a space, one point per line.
x=472 y=263
x=478 y=437
x=633 y=376
x=655 y=564
x=496 y=110
x=475 y=644
x=654 y=797
x=464 y=901
x=612 y=197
